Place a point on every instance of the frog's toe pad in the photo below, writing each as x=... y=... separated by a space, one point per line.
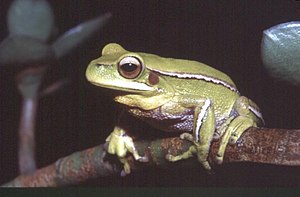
x=189 y=153
x=233 y=139
x=173 y=158
x=123 y=173
x=126 y=167
x=204 y=163
x=143 y=159
x=187 y=136
x=219 y=159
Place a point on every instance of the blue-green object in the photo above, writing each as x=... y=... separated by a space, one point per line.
x=280 y=51
x=33 y=18
x=30 y=25
x=23 y=50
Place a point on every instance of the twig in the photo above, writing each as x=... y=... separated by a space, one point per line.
x=54 y=87
x=261 y=145
x=27 y=138
x=28 y=82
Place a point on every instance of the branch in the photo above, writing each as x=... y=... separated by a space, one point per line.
x=260 y=145
x=26 y=151
x=54 y=87
x=28 y=83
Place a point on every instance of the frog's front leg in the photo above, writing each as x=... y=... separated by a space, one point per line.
x=203 y=132
x=119 y=144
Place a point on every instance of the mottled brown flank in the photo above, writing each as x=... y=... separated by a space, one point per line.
x=153 y=78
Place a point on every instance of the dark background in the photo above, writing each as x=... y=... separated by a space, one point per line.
x=224 y=34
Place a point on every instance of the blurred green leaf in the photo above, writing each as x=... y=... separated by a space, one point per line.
x=32 y=18
x=75 y=36
x=281 y=51
x=20 y=50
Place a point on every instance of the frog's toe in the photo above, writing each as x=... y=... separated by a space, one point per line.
x=204 y=162
x=244 y=124
x=130 y=147
x=219 y=158
x=143 y=159
x=206 y=165
x=189 y=153
x=216 y=136
x=187 y=136
x=202 y=155
x=233 y=139
x=123 y=173
x=126 y=167
x=222 y=148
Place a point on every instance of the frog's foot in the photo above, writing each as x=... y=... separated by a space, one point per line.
x=119 y=143
x=232 y=134
x=192 y=150
x=200 y=150
x=247 y=123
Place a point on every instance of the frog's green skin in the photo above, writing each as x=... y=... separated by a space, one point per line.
x=173 y=95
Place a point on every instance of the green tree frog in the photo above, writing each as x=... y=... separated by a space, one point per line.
x=173 y=95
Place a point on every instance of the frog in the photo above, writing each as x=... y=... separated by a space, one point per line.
x=198 y=101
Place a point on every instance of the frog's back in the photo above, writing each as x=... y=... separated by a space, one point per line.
x=187 y=69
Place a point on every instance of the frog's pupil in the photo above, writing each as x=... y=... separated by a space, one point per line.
x=129 y=67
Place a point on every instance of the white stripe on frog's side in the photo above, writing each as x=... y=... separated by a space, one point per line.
x=200 y=118
x=196 y=76
x=257 y=113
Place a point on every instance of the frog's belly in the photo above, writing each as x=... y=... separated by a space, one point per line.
x=182 y=122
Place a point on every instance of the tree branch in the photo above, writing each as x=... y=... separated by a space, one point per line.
x=260 y=145
x=26 y=152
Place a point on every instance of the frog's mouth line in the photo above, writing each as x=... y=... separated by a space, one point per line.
x=134 y=87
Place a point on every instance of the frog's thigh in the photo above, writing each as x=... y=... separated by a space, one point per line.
x=218 y=133
x=204 y=129
x=234 y=131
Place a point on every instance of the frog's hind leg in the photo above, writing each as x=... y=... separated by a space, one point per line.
x=237 y=126
x=236 y=129
x=203 y=132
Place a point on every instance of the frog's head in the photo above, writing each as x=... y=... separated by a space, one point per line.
x=125 y=71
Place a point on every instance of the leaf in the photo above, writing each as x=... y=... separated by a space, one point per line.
x=75 y=36
x=21 y=50
x=32 y=18
x=281 y=51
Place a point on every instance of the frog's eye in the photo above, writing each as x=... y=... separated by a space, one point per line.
x=130 y=67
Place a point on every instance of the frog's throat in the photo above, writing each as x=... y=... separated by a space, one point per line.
x=196 y=76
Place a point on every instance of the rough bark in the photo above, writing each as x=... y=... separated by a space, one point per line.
x=260 y=145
